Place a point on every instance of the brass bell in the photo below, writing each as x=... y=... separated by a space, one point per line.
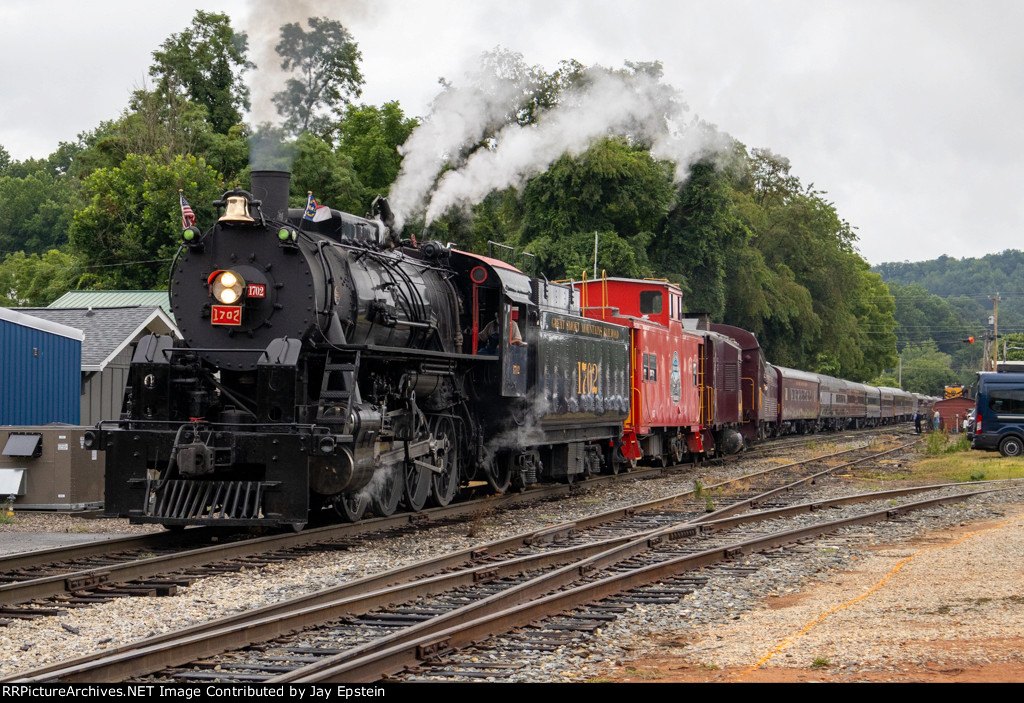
x=237 y=210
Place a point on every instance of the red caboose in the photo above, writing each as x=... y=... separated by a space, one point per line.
x=666 y=388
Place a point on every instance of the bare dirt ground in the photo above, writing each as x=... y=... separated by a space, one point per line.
x=947 y=607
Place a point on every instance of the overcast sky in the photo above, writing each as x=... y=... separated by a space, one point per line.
x=909 y=114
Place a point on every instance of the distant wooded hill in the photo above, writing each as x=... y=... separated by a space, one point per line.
x=967 y=285
x=942 y=302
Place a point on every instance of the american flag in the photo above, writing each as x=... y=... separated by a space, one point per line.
x=188 y=218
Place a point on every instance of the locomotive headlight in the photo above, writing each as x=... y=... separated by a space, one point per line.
x=228 y=287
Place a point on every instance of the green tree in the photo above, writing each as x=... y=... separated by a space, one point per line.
x=700 y=238
x=205 y=64
x=817 y=300
x=526 y=90
x=328 y=174
x=325 y=65
x=129 y=224
x=926 y=370
x=370 y=137
x=1013 y=344
x=34 y=211
x=921 y=316
x=614 y=189
x=37 y=279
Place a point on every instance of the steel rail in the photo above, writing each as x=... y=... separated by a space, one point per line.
x=80 y=579
x=411 y=653
x=83 y=579
x=360 y=597
x=746 y=503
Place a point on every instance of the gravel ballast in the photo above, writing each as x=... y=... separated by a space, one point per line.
x=722 y=628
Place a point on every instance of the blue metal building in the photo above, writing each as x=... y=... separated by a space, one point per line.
x=40 y=370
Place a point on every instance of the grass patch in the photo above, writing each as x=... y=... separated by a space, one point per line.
x=7 y=513
x=968 y=466
x=943 y=442
x=820 y=663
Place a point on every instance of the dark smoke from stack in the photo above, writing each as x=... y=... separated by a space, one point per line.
x=267 y=148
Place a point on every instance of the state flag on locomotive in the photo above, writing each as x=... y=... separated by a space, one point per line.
x=315 y=212
x=188 y=217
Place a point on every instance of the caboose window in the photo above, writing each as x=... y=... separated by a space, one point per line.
x=650 y=302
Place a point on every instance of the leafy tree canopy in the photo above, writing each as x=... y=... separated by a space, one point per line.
x=927 y=370
x=324 y=62
x=130 y=224
x=205 y=64
x=34 y=212
x=612 y=188
x=370 y=137
x=328 y=174
x=37 y=279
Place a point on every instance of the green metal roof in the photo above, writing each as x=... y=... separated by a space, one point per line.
x=113 y=298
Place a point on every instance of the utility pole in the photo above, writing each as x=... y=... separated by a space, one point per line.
x=995 y=330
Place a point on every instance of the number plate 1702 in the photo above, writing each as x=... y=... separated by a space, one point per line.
x=226 y=315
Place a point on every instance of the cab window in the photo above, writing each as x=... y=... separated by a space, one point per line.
x=650 y=302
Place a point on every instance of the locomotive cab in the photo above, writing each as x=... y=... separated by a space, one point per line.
x=500 y=322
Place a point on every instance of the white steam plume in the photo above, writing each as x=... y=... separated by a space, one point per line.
x=635 y=104
x=459 y=118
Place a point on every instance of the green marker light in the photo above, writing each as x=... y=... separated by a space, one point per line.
x=283 y=235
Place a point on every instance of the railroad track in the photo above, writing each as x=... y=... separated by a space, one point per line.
x=158 y=564
x=366 y=597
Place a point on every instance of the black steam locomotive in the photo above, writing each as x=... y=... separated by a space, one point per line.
x=328 y=366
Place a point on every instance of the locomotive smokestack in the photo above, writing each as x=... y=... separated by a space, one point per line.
x=271 y=187
x=382 y=209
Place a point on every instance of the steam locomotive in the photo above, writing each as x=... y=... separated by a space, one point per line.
x=328 y=366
